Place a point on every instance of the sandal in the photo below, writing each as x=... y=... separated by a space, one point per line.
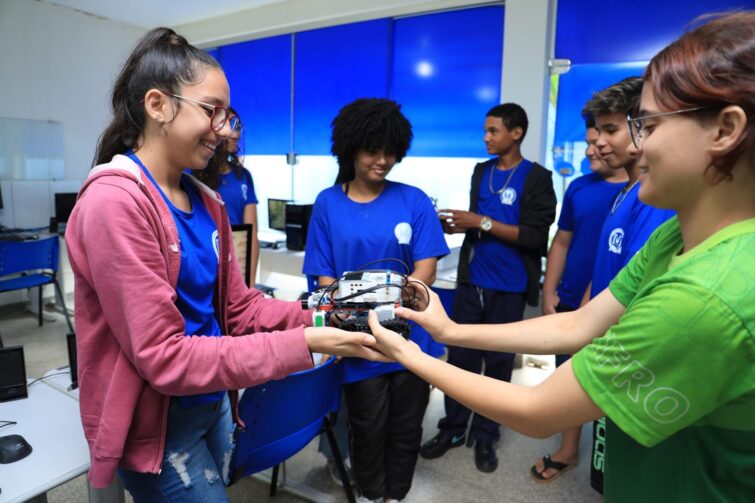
x=549 y=463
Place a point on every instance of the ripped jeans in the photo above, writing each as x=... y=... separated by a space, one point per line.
x=197 y=457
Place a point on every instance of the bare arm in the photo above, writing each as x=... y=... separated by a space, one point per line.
x=552 y=406
x=562 y=333
x=586 y=296
x=554 y=269
x=424 y=270
x=250 y=217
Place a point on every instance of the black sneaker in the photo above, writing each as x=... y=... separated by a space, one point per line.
x=485 y=458
x=439 y=444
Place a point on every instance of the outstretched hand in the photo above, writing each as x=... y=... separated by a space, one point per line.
x=427 y=311
x=389 y=343
x=334 y=341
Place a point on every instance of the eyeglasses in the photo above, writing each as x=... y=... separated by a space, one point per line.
x=218 y=115
x=637 y=124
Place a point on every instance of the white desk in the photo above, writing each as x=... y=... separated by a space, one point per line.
x=49 y=421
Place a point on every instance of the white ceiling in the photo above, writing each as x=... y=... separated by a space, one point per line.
x=153 y=13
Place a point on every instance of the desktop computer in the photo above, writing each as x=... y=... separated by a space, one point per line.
x=297 y=222
x=12 y=374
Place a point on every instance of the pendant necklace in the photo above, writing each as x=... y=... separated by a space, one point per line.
x=621 y=196
x=508 y=180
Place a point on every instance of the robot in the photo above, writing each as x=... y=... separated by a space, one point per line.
x=351 y=297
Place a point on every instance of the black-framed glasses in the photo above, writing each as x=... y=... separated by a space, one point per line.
x=218 y=115
x=637 y=124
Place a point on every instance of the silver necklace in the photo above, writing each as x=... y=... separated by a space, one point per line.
x=490 y=180
x=621 y=196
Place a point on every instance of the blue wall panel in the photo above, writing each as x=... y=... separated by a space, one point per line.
x=259 y=73
x=333 y=67
x=596 y=31
x=577 y=86
x=447 y=75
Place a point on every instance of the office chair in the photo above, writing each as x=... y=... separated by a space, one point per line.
x=31 y=263
x=282 y=417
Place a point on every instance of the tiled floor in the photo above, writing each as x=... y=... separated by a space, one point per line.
x=452 y=478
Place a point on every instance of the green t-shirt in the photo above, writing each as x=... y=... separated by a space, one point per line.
x=676 y=375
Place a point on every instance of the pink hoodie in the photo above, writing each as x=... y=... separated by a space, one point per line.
x=133 y=354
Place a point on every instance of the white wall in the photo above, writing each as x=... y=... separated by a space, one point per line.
x=56 y=64
x=299 y=15
x=527 y=47
x=59 y=64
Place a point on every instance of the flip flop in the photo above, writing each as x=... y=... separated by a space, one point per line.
x=549 y=463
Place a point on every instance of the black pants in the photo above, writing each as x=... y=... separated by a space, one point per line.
x=385 y=416
x=480 y=305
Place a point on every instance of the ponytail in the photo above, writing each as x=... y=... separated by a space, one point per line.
x=162 y=60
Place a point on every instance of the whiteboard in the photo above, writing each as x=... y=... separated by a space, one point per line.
x=31 y=149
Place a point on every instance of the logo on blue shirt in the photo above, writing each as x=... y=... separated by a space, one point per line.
x=508 y=196
x=216 y=243
x=244 y=190
x=403 y=232
x=615 y=240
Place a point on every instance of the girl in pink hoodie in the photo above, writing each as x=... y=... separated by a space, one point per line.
x=166 y=328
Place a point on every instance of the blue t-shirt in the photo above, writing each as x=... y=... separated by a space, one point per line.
x=237 y=194
x=496 y=264
x=197 y=276
x=624 y=233
x=344 y=235
x=586 y=203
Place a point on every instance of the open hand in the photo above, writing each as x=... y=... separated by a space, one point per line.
x=389 y=343
x=429 y=311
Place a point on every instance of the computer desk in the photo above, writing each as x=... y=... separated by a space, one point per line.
x=49 y=420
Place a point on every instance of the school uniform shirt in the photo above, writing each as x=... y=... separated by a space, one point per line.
x=586 y=203
x=626 y=229
x=676 y=375
x=237 y=194
x=498 y=265
x=345 y=235
x=124 y=249
x=198 y=274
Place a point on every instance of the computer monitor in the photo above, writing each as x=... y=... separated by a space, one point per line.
x=276 y=214
x=12 y=374
x=64 y=202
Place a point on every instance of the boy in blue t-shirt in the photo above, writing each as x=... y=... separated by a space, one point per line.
x=512 y=205
x=570 y=262
x=627 y=227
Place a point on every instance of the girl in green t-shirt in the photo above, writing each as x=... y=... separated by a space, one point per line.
x=667 y=352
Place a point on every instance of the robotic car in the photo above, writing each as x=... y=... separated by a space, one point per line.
x=351 y=297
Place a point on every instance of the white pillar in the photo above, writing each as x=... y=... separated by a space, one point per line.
x=527 y=47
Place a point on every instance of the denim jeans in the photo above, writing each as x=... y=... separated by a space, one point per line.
x=197 y=457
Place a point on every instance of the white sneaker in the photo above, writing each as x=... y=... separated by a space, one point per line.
x=362 y=499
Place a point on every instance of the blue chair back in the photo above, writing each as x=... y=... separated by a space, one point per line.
x=32 y=255
x=283 y=416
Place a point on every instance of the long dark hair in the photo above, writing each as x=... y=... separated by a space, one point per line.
x=162 y=60
x=224 y=157
x=368 y=124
